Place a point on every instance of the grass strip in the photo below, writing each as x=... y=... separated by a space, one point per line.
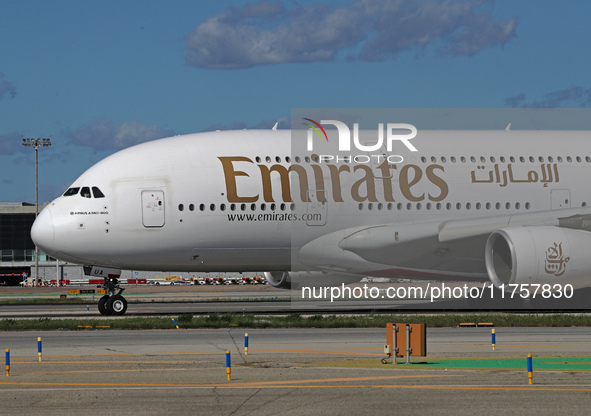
x=238 y=320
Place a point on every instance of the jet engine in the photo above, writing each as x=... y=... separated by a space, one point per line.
x=539 y=255
x=278 y=279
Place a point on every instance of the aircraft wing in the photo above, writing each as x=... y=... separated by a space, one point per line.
x=577 y=218
x=448 y=247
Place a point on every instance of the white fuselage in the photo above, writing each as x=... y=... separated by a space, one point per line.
x=223 y=201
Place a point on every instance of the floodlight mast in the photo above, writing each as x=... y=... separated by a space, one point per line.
x=36 y=144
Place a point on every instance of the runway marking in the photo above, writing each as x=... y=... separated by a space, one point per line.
x=514 y=388
x=108 y=371
x=298 y=384
x=248 y=384
x=342 y=351
x=326 y=380
x=121 y=354
x=307 y=351
x=36 y=362
x=313 y=351
x=513 y=346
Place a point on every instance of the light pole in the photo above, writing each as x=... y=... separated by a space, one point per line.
x=36 y=144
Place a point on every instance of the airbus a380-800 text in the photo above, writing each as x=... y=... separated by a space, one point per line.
x=500 y=206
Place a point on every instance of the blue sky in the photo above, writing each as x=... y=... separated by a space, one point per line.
x=101 y=76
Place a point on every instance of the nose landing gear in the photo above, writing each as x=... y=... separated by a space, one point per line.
x=113 y=303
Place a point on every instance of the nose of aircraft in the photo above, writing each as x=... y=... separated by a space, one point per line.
x=42 y=231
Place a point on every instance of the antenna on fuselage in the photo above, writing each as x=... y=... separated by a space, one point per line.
x=275 y=126
x=508 y=128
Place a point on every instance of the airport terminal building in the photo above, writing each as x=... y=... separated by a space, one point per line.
x=17 y=255
x=17 y=251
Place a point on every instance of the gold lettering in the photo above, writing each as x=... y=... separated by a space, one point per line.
x=370 y=185
x=230 y=175
x=361 y=188
x=336 y=180
x=405 y=184
x=302 y=179
x=437 y=181
x=387 y=180
x=267 y=186
x=319 y=183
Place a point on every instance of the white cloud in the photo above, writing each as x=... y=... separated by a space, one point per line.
x=575 y=96
x=267 y=124
x=7 y=88
x=268 y=33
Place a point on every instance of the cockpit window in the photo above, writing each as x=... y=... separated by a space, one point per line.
x=71 y=191
x=85 y=192
x=97 y=192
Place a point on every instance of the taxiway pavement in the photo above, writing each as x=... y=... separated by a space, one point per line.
x=289 y=371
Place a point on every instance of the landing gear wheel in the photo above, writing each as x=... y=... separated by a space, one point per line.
x=117 y=305
x=102 y=305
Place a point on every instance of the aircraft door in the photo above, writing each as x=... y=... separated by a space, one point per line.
x=560 y=198
x=153 y=208
x=317 y=207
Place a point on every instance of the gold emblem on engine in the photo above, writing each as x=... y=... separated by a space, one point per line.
x=555 y=260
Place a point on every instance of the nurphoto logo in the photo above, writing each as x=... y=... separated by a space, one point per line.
x=394 y=132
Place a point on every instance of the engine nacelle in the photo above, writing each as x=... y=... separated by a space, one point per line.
x=295 y=280
x=280 y=280
x=539 y=255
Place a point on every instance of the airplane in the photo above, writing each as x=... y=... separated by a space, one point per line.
x=507 y=207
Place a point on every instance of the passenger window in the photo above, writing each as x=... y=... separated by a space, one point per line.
x=96 y=192
x=85 y=192
x=71 y=191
